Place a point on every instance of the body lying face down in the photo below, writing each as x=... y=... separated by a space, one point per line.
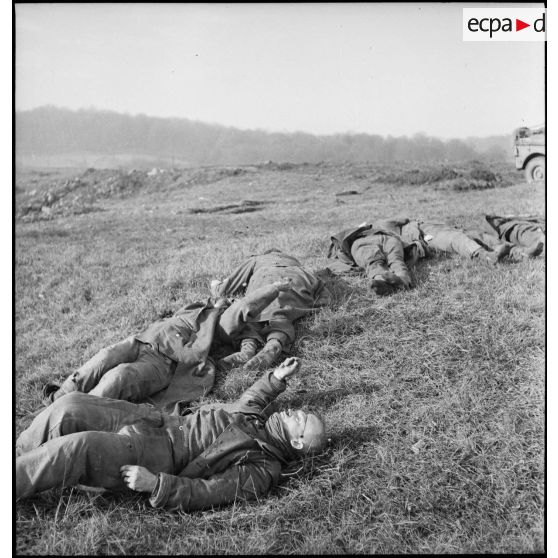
x=272 y=330
x=384 y=250
x=211 y=457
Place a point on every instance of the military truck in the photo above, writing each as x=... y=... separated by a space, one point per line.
x=530 y=151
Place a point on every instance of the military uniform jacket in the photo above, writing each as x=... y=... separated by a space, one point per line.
x=187 y=338
x=503 y=226
x=340 y=243
x=241 y=463
x=175 y=337
x=307 y=292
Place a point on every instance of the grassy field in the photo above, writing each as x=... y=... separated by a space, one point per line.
x=434 y=398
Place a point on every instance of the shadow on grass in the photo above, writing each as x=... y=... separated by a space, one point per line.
x=327 y=398
x=445 y=262
x=353 y=437
x=44 y=234
x=348 y=441
x=245 y=206
x=422 y=271
x=338 y=287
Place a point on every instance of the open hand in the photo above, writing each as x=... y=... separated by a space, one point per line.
x=287 y=368
x=138 y=478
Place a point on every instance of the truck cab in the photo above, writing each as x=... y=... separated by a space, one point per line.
x=530 y=152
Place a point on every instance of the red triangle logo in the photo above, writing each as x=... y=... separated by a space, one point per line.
x=519 y=25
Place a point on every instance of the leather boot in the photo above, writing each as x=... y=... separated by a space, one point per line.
x=397 y=281
x=248 y=348
x=386 y=283
x=495 y=256
x=266 y=357
x=534 y=249
x=502 y=250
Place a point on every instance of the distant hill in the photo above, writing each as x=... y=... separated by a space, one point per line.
x=51 y=136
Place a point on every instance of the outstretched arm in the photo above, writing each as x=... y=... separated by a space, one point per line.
x=393 y=225
x=265 y=390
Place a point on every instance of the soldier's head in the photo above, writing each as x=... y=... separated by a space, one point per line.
x=304 y=431
x=297 y=433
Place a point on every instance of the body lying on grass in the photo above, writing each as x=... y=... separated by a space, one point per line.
x=527 y=235
x=511 y=237
x=273 y=327
x=471 y=243
x=384 y=250
x=168 y=362
x=211 y=457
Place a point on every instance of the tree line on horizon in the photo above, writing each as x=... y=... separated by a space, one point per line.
x=52 y=131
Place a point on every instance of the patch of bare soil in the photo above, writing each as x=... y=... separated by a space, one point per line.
x=80 y=194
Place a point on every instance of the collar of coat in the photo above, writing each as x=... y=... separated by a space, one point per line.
x=232 y=447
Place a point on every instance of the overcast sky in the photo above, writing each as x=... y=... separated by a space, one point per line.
x=378 y=68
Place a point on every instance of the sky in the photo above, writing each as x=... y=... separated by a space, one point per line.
x=378 y=68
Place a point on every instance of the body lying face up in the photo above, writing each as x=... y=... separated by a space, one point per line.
x=208 y=458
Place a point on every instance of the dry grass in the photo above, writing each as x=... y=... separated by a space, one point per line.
x=434 y=398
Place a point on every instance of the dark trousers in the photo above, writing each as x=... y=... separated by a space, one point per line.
x=378 y=253
x=444 y=238
x=129 y=370
x=85 y=439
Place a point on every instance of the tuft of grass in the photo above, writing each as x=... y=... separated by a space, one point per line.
x=433 y=398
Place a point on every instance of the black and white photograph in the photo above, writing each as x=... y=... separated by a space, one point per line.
x=279 y=278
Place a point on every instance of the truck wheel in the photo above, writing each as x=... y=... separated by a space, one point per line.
x=534 y=171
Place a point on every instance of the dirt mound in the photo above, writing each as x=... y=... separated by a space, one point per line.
x=473 y=175
x=77 y=195
x=80 y=194
x=283 y=166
